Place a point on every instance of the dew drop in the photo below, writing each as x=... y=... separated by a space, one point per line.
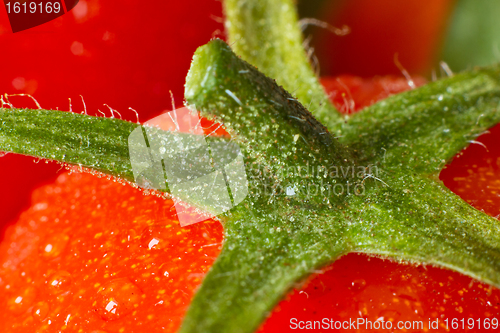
x=364 y=309
x=159 y=237
x=153 y=242
x=40 y=311
x=21 y=302
x=418 y=308
x=413 y=303
x=389 y=315
x=53 y=245
x=358 y=285
x=59 y=282
x=131 y=235
x=163 y=269
x=117 y=298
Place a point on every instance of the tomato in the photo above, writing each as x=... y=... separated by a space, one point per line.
x=91 y=254
x=360 y=288
x=122 y=55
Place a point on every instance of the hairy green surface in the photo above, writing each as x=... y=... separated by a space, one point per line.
x=266 y=34
x=400 y=208
x=97 y=143
x=426 y=127
x=104 y=145
x=271 y=126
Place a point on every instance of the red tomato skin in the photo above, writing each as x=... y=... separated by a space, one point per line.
x=93 y=254
x=351 y=93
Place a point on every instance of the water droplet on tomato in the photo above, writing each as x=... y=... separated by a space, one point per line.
x=118 y=298
x=131 y=235
x=22 y=300
x=163 y=269
x=358 y=285
x=364 y=308
x=59 y=282
x=40 y=311
x=160 y=237
x=53 y=245
x=417 y=308
x=389 y=315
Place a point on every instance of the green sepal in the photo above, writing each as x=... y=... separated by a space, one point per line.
x=266 y=34
x=404 y=211
x=424 y=128
x=93 y=142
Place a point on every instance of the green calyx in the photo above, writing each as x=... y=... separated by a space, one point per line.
x=266 y=34
x=319 y=186
x=374 y=190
